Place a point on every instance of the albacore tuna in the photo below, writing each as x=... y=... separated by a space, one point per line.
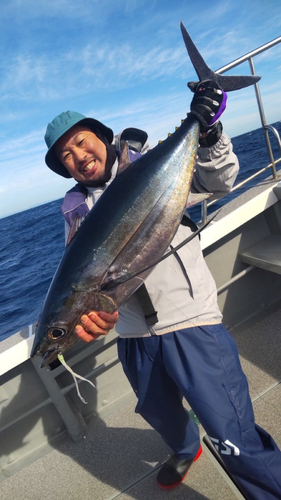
x=128 y=230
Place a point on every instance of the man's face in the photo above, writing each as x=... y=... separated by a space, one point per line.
x=83 y=154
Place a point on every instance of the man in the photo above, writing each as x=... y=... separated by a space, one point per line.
x=186 y=351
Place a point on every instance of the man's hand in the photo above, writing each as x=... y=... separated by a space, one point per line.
x=95 y=324
x=208 y=104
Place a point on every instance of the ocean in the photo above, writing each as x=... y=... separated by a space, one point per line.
x=32 y=241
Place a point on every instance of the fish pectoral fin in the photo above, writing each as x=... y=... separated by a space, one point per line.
x=124 y=160
x=109 y=285
x=113 y=282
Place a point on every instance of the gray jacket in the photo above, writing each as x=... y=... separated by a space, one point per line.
x=181 y=299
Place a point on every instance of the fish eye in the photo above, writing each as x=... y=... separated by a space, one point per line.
x=56 y=333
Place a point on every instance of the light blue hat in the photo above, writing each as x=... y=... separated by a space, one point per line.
x=61 y=124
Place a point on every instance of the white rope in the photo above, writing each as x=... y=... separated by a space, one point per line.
x=75 y=376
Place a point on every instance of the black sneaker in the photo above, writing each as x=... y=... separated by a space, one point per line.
x=173 y=472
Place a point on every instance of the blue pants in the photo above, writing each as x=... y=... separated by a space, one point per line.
x=202 y=364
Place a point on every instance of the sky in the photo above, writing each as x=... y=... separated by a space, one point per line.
x=123 y=63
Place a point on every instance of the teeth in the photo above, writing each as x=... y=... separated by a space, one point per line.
x=89 y=166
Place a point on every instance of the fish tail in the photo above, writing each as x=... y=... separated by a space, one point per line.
x=227 y=83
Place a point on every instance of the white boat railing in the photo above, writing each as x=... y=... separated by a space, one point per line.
x=249 y=57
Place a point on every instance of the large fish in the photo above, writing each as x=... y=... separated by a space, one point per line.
x=127 y=231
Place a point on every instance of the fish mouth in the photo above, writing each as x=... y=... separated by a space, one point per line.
x=49 y=357
x=37 y=350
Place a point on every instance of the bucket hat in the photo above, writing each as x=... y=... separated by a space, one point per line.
x=61 y=124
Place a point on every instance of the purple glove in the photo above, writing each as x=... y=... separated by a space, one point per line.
x=208 y=104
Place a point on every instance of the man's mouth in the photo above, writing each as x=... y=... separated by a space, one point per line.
x=87 y=168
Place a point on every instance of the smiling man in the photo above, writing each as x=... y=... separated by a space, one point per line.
x=84 y=156
x=183 y=350
x=80 y=147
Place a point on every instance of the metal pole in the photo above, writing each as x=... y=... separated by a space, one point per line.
x=73 y=421
x=263 y=121
x=204 y=211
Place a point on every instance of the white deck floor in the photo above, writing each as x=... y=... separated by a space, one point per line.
x=121 y=454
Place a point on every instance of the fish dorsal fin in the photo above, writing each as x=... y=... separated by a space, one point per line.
x=74 y=228
x=124 y=159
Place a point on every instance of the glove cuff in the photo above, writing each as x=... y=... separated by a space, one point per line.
x=212 y=137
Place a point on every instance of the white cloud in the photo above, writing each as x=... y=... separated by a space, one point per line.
x=33 y=77
x=126 y=63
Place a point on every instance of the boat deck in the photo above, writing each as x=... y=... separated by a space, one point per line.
x=121 y=454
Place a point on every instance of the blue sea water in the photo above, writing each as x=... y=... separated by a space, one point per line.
x=32 y=242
